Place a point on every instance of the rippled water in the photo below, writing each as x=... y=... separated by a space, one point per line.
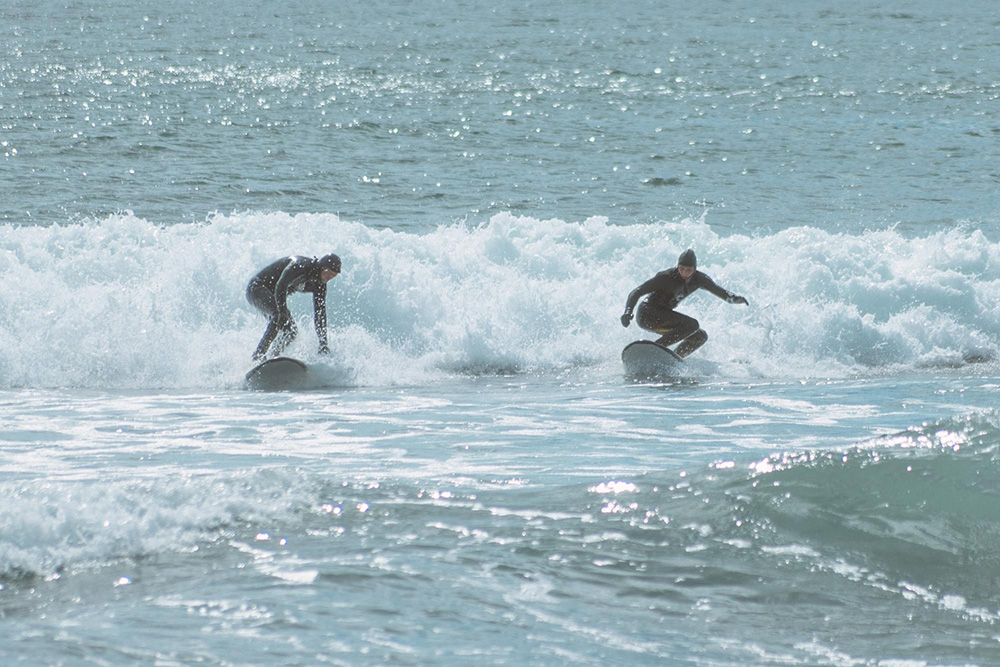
x=414 y=115
x=523 y=521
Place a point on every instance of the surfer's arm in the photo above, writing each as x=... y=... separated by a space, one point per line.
x=285 y=282
x=319 y=317
x=634 y=296
x=709 y=285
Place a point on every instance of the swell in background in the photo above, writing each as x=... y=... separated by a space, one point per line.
x=410 y=114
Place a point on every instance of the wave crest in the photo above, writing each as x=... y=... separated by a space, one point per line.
x=121 y=302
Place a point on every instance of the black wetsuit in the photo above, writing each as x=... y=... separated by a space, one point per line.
x=268 y=292
x=667 y=289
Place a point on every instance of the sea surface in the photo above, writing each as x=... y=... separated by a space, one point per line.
x=468 y=478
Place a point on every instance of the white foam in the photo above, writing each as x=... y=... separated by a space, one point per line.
x=48 y=525
x=120 y=302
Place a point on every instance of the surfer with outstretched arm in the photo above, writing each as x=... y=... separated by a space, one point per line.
x=268 y=292
x=667 y=289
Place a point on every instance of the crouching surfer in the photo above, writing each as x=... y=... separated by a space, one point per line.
x=268 y=292
x=666 y=290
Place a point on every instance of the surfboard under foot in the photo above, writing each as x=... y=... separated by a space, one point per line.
x=646 y=359
x=277 y=374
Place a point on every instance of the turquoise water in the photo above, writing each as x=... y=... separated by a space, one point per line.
x=468 y=478
x=394 y=114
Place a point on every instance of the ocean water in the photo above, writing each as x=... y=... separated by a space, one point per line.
x=468 y=478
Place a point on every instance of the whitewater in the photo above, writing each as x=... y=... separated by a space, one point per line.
x=124 y=303
x=468 y=477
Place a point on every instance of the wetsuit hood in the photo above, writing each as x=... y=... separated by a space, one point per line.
x=687 y=258
x=330 y=261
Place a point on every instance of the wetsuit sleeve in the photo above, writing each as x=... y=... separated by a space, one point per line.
x=639 y=292
x=319 y=316
x=707 y=284
x=285 y=282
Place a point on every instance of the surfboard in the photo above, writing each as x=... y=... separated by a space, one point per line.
x=277 y=374
x=646 y=359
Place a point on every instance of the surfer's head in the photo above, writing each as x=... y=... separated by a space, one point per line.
x=329 y=266
x=686 y=264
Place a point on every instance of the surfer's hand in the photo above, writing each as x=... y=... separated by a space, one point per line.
x=738 y=299
x=626 y=319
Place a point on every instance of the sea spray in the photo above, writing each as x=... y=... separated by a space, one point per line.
x=120 y=302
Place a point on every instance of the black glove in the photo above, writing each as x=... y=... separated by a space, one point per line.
x=738 y=299
x=627 y=318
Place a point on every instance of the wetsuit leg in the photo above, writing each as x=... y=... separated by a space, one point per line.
x=284 y=332
x=280 y=332
x=671 y=325
x=691 y=343
x=262 y=298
